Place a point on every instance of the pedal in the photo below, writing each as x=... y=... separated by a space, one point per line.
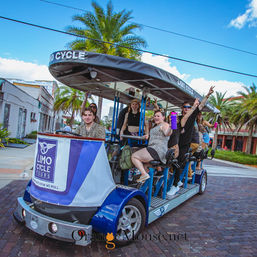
x=138 y=185
x=157 y=177
x=135 y=185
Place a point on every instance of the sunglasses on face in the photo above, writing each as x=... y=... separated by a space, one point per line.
x=187 y=106
x=92 y=106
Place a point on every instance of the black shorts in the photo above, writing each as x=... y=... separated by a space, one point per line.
x=153 y=153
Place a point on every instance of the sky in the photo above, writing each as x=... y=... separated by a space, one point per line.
x=25 y=50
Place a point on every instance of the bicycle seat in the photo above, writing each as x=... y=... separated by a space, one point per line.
x=192 y=158
x=156 y=163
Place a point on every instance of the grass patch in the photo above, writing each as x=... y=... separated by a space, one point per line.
x=16 y=141
x=32 y=135
x=237 y=157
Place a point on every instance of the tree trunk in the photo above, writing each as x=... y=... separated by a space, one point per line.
x=249 y=140
x=215 y=139
x=84 y=103
x=72 y=118
x=99 y=107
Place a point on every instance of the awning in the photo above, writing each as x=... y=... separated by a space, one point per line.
x=104 y=75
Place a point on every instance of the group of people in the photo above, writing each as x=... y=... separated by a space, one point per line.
x=161 y=136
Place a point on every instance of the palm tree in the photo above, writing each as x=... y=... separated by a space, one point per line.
x=107 y=26
x=68 y=100
x=246 y=113
x=224 y=105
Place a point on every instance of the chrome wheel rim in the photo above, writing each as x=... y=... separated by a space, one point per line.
x=129 y=223
x=204 y=183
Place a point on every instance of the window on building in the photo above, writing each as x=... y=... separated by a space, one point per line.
x=7 y=108
x=239 y=145
x=33 y=117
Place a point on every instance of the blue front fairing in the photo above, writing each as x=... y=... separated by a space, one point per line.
x=106 y=219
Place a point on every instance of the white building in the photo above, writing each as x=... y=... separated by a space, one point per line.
x=19 y=111
x=27 y=106
x=110 y=114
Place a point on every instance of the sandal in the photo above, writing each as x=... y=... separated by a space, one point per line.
x=143 y=178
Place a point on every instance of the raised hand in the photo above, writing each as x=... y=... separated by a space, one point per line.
x=211 y=90
x=196 y=103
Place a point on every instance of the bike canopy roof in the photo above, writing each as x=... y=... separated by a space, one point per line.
x=107 y=75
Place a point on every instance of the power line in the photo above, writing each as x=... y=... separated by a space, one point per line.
x=63 y=5
x=136 y=49
x=164 y=30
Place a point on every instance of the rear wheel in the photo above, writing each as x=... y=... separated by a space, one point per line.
x=131 y=222
x=203 y=183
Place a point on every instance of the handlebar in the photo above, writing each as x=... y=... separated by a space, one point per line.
x=67 y=132
x=134 y=137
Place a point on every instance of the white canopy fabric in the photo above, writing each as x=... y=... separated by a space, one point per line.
x=71 y=172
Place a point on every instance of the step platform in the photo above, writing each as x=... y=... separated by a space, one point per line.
x=161 y=206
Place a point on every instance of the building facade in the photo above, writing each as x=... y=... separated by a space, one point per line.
x=236 y=141
x=19 y=111
x=27 y=106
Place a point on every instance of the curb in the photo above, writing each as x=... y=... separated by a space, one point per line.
x=236 y=164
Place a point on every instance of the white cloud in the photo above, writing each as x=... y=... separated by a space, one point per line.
x=11 y=68
x=202 y=86
x=163 y=63
x=249 y=17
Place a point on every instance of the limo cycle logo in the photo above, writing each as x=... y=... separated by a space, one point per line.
x=45 y=160
x=44 y=147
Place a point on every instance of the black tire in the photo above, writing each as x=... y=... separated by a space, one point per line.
x=131 y=222
x=203 y=183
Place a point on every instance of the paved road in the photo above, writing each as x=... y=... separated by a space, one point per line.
x=228 y=169
x=221 y=222
x=15 y=163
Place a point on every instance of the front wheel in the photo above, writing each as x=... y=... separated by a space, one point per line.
x=131 y=222
x=203 y=183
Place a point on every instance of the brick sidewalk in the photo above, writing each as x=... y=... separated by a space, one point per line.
x=221 y=222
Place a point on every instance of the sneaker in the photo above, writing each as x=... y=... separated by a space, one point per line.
x=173 y=190
x=143 y=178
x=180 y=184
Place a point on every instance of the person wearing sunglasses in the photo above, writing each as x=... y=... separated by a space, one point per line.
x=187 y=120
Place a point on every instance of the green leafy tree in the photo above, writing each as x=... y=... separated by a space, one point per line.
x=224 y=105
x=245 y=113
x=68 y=100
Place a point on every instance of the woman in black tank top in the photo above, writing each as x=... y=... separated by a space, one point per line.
x=132 y=119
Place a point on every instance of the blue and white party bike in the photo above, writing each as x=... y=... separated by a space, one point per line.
x=73 y=191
